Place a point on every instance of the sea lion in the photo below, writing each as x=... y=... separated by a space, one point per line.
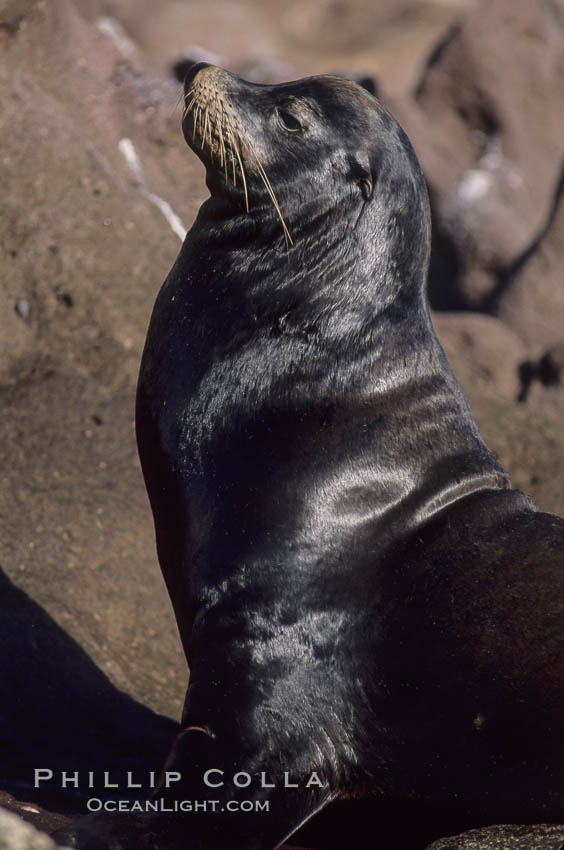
x=367 y=608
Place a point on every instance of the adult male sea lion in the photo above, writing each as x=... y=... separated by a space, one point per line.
x=367 y=609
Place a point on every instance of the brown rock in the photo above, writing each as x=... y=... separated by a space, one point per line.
x=486 y=357
x=494 y=154
x=531 y=299
x=542 y=837
x=85 y=252
x=483 y=351
x=15 y=834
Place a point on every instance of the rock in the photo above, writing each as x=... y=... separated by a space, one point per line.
x=527 y=442
x=546 y=371
x=494 y=154
x=64 y=714
x=523 y=432
x=542 y=837
x=16 y=834
x=531 y=293
x=85 y=253
x=483 y=351
x=12 y=13
x=42 y=819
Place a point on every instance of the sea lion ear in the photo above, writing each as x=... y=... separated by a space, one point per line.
x=363 y=174
x=366 y=186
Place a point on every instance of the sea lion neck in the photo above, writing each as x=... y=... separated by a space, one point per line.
x=270 y=367
x=343 y=259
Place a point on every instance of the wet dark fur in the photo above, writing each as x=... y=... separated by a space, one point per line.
x=358 y=591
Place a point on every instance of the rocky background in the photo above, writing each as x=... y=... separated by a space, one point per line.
x=97 y=186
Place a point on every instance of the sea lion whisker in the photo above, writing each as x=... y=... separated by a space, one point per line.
x=188 y=109
x=223 y=155
x=218 y=124
x=231 y=146
x=205 y=130
x=177 y=103
x=210 y=131
x=287 y=237
x=229 y=136
x=183 y=96
x=195 y=120
x=225 y=127
x=199 y=119
x=243 y=176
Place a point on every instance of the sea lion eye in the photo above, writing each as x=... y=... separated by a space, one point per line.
x=288 y=121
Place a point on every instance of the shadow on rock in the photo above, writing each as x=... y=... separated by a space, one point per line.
x=64 y=714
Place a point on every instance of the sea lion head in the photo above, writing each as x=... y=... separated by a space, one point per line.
x=318 y=157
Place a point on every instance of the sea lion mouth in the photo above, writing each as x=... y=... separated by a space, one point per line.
x=212 y=129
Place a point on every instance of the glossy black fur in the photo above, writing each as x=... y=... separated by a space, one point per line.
x=358 y=591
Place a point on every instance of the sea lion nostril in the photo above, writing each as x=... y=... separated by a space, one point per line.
x=192 y=72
